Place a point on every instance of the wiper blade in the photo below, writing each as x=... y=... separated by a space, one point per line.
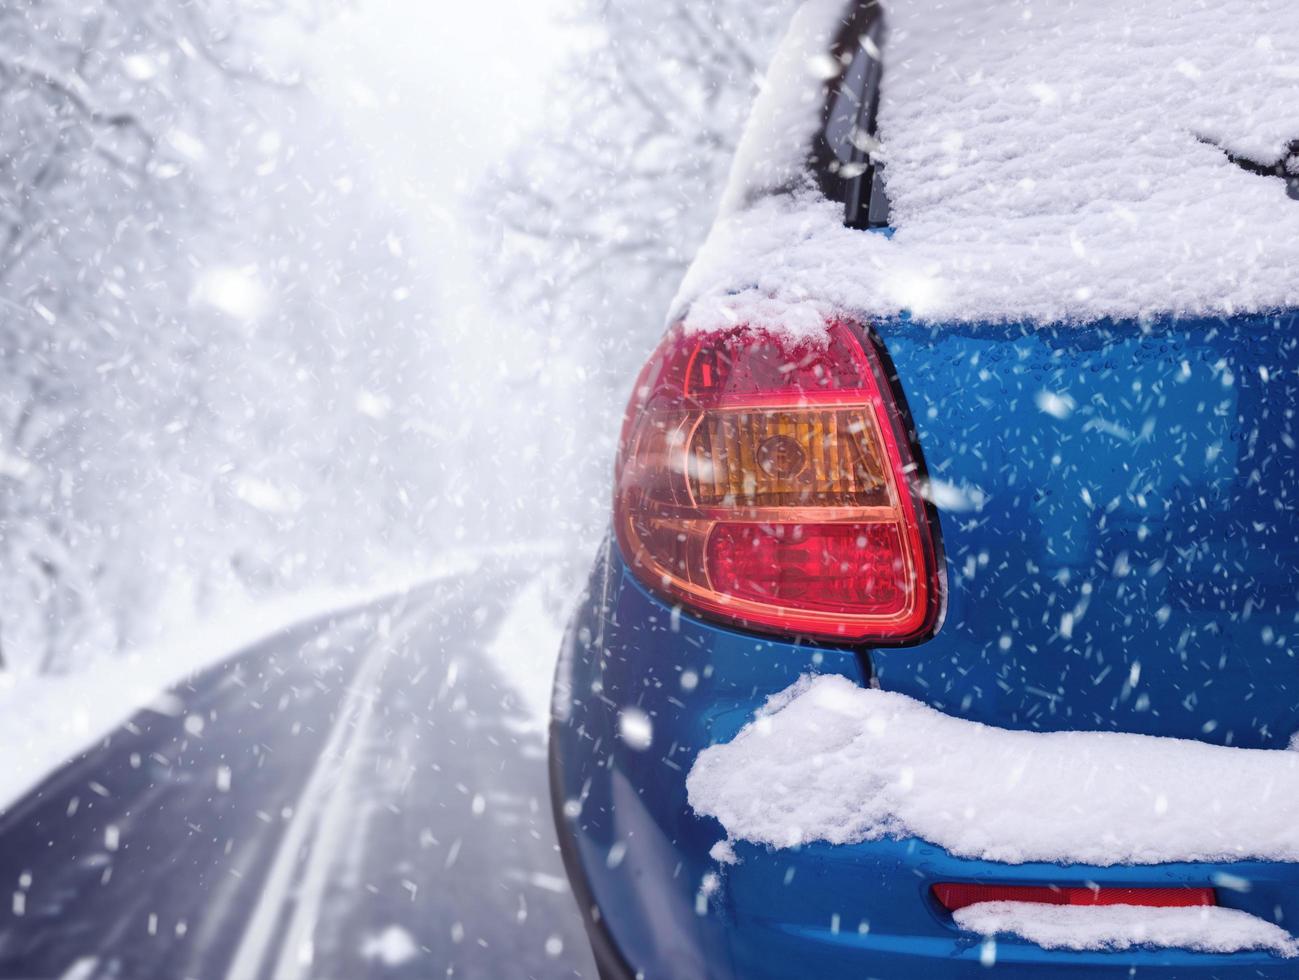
x=1287 y=168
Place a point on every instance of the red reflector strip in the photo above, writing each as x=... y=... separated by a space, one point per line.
x=814 y=566
x=953 y=896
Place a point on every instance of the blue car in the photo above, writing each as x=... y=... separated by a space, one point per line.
x=1032 y=527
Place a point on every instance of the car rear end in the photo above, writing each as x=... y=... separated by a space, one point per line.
x=1039 y=528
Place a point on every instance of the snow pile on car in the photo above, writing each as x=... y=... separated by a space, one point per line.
x=1060 y=162
x=1115 y=928
x=830 y=761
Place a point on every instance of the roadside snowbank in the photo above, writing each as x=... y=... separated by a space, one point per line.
x=1116 y=928
x=526 y=648
x=831 y=761
x=1059 y=164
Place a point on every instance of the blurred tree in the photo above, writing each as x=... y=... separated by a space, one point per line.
x=597 y=216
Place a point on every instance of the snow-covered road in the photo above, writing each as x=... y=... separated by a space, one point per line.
x=360 y=796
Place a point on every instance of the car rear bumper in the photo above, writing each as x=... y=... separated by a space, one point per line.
x=637 y=853
x=839 y=911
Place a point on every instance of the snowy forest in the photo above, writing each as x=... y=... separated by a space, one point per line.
x=226 y=373
x=311 y=373
x=197 y=397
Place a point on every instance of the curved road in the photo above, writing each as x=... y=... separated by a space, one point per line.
x=357 y=797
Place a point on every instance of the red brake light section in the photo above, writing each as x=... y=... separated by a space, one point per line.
x=772 y=484
x=953 y=896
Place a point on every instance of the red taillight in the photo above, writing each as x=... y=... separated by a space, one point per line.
x=772 y=484
x=958 y=896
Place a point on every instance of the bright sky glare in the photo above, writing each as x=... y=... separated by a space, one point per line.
x=437 y=89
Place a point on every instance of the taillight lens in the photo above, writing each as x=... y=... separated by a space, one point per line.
x=772 y=483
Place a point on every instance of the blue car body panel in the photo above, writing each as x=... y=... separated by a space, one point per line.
x=1117 y=509
x=1127 y=563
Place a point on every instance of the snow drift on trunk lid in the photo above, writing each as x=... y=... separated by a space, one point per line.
x=1055 y=162
x=831 y=761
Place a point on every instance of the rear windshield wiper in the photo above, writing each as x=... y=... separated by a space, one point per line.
x=845 y=158
x=1287 y=168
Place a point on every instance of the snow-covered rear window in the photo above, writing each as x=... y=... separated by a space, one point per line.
x=1052 y=162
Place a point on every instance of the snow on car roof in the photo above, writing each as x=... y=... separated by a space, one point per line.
x=1053 y=162
x=830 y=761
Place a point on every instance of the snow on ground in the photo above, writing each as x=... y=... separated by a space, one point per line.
x=526 y=648
x=47 y=719
x=1061 y=162
x=1121 y=927
x=831 y=761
